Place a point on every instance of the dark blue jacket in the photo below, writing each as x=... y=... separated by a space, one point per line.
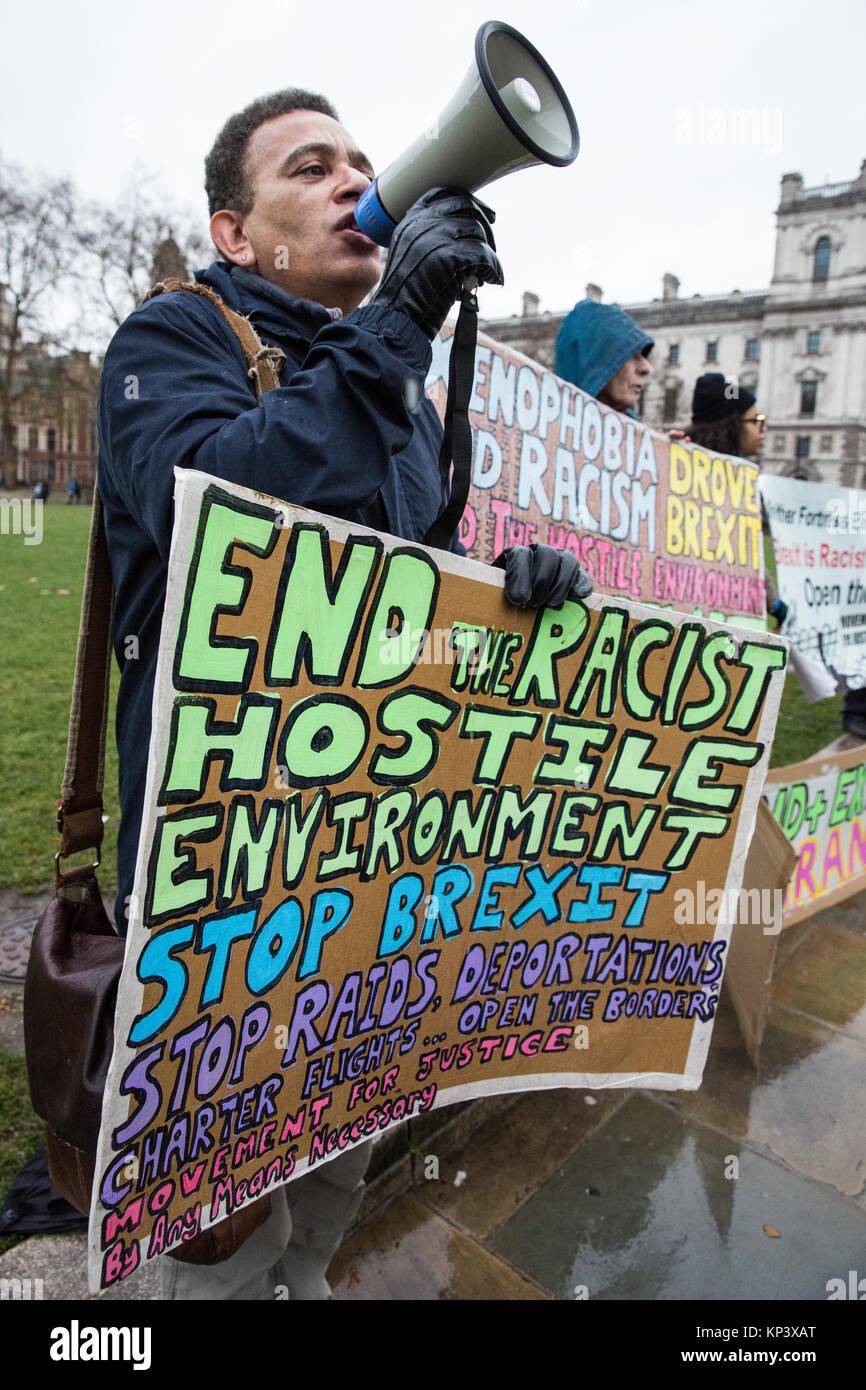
x=595 y=340
x=337 y=437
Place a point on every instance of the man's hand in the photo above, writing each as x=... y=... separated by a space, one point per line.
x=537 y=576
x=444 y=238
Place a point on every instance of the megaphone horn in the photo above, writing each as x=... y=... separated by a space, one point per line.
x=509 y=112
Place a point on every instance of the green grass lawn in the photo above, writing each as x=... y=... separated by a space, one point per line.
x=40 y=604
x=803 y=729
x=38 y=633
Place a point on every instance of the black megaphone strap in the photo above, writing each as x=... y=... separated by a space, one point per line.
x=457 y=437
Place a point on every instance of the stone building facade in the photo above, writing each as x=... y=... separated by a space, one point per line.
x=52 y=413
x=800 y=345
x=54 y=420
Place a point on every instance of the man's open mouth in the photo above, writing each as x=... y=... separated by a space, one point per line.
x=348 y=224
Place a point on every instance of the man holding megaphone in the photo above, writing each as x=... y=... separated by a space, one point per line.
x=345 y=429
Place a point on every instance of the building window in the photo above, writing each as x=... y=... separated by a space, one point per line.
x=669 y=409
x=50 y=440
x=826 y=443
x=751 y=349
x=821 y=263
x=674 y=355
x=803 y=446
x=813 y=340
x=33 y=438
x=69 y=441
x=713 y=351
x=808 y=397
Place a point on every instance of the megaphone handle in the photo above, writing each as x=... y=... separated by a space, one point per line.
x=469 y=301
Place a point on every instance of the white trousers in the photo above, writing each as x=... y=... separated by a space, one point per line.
x=288 y=1256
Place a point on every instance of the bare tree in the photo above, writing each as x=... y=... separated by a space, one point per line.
x=37 y=215
x=124 y=246
x=71 y=273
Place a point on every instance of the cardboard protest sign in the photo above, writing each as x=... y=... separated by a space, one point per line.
x=404 y=845
x=819 y=540
x=751 y=954
x=651 y=520
x=821 y=806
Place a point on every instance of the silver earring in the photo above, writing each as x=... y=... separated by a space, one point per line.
x=243 y=258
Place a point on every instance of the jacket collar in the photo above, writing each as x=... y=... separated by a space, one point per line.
x=267 y=306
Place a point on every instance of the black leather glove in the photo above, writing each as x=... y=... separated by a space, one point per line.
x=537 y=576
x=444 y=237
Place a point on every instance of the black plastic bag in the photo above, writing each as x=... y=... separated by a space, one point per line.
x=33 y=1205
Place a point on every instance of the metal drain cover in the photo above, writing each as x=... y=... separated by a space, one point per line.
x=15 y=938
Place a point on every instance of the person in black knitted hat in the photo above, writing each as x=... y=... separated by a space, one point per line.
x=725 y=420
x=725 y=417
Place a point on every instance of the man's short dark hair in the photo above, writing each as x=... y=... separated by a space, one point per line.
x=226 y=180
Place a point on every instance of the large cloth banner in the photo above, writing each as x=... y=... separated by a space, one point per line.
x=821 y=806
x=651 y=520
x=405 y=845
x=819 y=540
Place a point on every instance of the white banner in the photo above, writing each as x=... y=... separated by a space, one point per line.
x=819 y=540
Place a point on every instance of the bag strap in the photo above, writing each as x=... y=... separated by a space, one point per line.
x=264 y=363
x=79 y=814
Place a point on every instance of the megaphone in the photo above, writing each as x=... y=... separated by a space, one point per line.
x=509 y=112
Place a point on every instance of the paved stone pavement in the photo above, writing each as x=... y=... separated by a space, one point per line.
x=752 y=1187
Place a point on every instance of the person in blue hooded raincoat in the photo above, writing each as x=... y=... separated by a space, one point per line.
x=601 y=350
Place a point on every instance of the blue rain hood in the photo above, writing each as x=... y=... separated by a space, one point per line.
x=595 y=340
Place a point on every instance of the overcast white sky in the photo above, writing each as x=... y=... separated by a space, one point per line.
x=664 y=179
